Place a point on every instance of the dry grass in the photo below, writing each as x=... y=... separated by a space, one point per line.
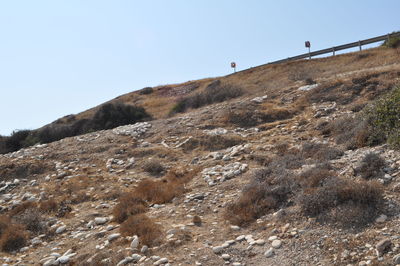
x=129 y=204
x=148 y=232
x=166 y=189
x=13 y=238
x=48 y=206
x=153 y=192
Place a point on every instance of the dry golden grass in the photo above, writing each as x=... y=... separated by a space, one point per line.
x=13 y=238
x=129 y=204
x=149 y=233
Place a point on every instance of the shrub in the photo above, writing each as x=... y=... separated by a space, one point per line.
x=147 y=90
x=346 y=203
x=212 y=142
x=212 y=94
x=18 y=139
x=153 y=167
x=371 y=166
x=384 y=116
x=250 y=118
x=315 y=176
x=160 y=191
x=352 y=132
x=267 y=191
x=32 y=220
x=320 y=152
x=129 y=204
x=48 y=206
x=13 y=238
x=4 y=223
x=148 y=232
x=392 y=42
x=113 y=115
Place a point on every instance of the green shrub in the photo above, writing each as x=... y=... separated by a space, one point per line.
x=118 y=114
x=147 y=90
x=392 y=42
x=384 y=117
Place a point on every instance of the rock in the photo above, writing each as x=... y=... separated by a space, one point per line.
x=161 y=261
x=217 y=249
x=260 y=242
x=61 y=229
x=272 y=238
x=63 y=259
x=396 y=259
x=307 y=87
x=383 y=246
x=136 y=257
x=381 y=219
x=112 y=237
x=144 y=249
x=135 y=242
x=276 y=243
x=235 y=227
x=269 y=253
x=125 y=261
x=226 y=256
x=259 y=99
x=100 y=220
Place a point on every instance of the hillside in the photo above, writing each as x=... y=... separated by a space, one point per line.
x=287 y=164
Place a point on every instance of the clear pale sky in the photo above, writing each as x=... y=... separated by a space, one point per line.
x=59 y=57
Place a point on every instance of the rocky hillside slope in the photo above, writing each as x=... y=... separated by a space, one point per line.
x=288 y=172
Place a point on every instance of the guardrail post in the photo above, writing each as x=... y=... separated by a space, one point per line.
x=359 y=45
x=333 y=51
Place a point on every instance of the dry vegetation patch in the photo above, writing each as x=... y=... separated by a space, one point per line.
x=212 y=142
x=145 y=228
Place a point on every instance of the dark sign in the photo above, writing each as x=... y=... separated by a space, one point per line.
x=233 y=64
x=308 y=44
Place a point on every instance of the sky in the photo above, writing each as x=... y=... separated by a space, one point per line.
x=61 y=57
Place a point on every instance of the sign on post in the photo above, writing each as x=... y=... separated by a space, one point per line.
x=233 y=65
x=308 y=45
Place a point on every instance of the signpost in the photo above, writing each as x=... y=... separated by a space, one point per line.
x=308 y=45
x=233 y=65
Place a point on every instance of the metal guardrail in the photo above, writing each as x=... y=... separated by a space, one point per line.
x=334 y=49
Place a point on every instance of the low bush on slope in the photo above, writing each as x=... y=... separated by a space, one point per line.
x=376 y=124
x=317 y=192
x=108 y=116
x=212 y=94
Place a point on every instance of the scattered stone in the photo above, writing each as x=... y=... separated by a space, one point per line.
x=217 y=249
x=383 y=246
x=112 y=237
x=226 y=256
x=381 y=219
x=161 y=261
x=276 y=243
x=396 y=259
x=100 y=220
x=135 y=242
x=269 y=253
x=61 y=229
x=259 y=99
